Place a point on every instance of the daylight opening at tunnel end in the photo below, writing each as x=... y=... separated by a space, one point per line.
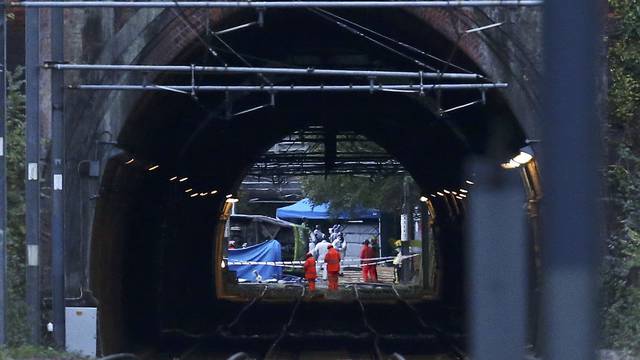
x=324 y=211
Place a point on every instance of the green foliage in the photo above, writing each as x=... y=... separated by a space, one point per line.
x=621 y=300
x=16 y=314
x=346 y=193
x=621 y=320
x=35 y=352
x=624 y=95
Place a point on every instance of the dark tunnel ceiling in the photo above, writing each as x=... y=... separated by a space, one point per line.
x=195 y=138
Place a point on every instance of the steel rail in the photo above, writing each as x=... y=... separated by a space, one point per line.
x=275 y=4
x=376 y=335
x=456 y=351
x=244 y=310
x=290 y=88
x=287 y=325
x=262 y=70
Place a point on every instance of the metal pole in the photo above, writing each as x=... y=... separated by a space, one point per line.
x=57 y=170
x=291 y=88
x=571 y=179
x=266 y=70
x=497 y=266
x=276 y=4
x=3 y=177
x=32 y=193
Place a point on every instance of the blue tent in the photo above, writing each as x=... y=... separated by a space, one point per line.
x=304 y=209
x=266 y=251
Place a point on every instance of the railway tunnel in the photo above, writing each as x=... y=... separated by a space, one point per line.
x=154 y=256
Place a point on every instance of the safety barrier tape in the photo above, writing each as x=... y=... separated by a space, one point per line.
x=297 y=264
x=300 y=262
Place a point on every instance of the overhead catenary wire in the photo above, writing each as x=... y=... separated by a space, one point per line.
x=220 y=40
x=397 y=42
x=369 y=38
x=239 y=56
x=278 y=4
x=179 y=13
x=309 y=71
x=185 y=20
x=288 y=88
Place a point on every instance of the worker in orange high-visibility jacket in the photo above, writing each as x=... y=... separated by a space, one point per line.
x=366 y=253
x=332 y=259
x=310 y=271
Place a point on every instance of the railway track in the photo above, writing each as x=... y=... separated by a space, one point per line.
x=310 y=329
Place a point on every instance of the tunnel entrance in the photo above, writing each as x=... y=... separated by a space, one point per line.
x=158 y=248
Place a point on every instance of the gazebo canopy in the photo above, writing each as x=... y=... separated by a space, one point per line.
x=304 y=209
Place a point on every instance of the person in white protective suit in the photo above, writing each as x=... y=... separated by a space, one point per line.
x=319 y=253
x=317 y=234
x=340 y=244
x=332 y=234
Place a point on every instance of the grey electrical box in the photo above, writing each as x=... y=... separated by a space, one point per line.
x=81 y=330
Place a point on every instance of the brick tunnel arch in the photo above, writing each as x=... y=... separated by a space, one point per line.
x=148 y=238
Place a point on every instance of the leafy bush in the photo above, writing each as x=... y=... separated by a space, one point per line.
x=16 y=312
x=36 y=352
x=621 y=297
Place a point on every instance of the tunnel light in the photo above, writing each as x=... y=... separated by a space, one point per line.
x=213 y=192
x=469 y=182
x=439 y=193
x=446 y=191
x=525 y=155
x=459 y=197
x=464 y=191
x=462 y=195
x=204 y=194
x=523 y=158
x=154 y=167
x=423 y=198
x=433 y=195
x=130 y=161
x=232 y=200
x=512 y=164
x=454 y=193
x=173 y=178
x=188 y=190
x=183 y=179
x=229 y=196
x=194 y=194
x=222 y=264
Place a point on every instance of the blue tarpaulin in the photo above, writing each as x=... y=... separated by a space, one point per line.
x=304 y=209
x=266 y=251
